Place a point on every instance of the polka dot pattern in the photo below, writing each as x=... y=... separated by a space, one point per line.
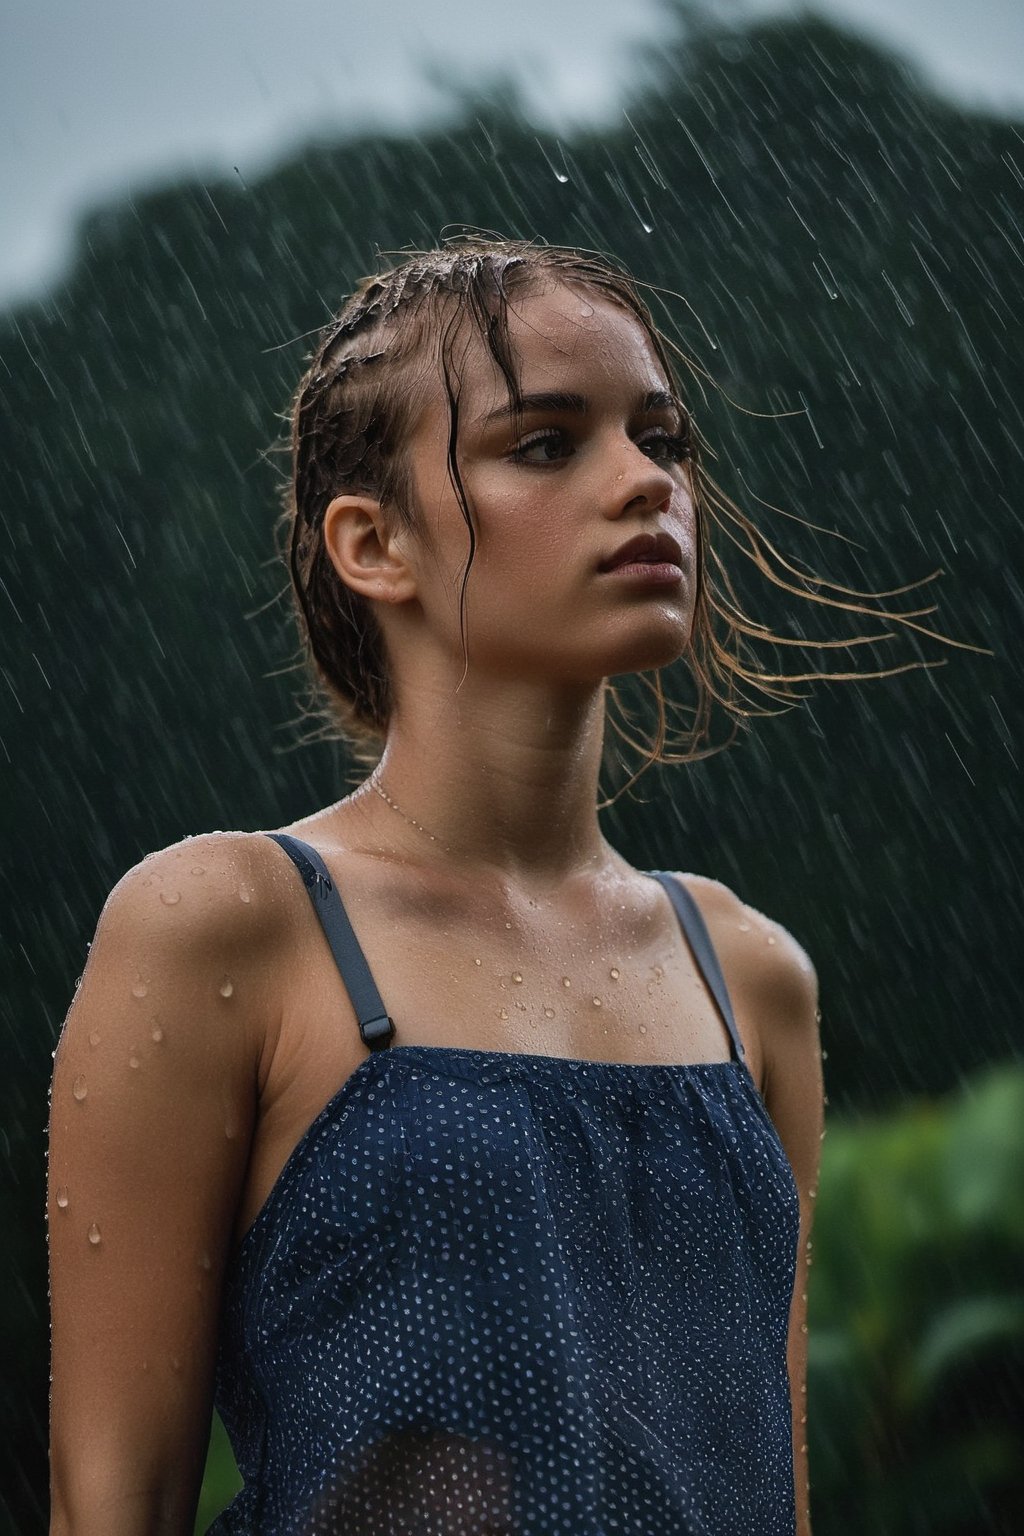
x=495 y=1293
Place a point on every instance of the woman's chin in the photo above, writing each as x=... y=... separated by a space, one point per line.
x=660 y=646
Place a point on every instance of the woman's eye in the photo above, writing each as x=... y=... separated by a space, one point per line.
x=663 y=445
x=544 y=448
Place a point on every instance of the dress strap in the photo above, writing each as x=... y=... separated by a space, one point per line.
x=699 y=940
x=375 y=1027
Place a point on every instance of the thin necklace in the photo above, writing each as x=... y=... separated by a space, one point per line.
x=411 y=820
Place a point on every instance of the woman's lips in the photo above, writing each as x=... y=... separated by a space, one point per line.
x=648 y=549
x=651 y=573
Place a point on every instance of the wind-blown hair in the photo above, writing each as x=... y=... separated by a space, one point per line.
x=350 y=422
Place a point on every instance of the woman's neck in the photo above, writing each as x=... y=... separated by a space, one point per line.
x=506 y=783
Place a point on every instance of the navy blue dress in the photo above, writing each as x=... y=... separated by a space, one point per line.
x=496 y=1294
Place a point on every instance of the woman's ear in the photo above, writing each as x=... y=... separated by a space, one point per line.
x=366 y=554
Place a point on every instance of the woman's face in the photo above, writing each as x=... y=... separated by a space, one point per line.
x=600 y=457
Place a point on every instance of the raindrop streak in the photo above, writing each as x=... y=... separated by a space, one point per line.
x=94 y=1234
x=79 y=1088
x=226 y=987
x=62 y=1198
x=140 y=988
x=170 y=898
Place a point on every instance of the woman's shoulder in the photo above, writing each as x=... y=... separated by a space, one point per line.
x=181 y=984
x=769 y=975
x=226 y=885
x=208 y=915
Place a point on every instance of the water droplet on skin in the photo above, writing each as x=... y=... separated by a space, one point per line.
x=659 y=973
x=643 y=1029
x=520 y=1005
x=596 y=1002
x=205 y=1261
x=62 y=1198
x=139 y=989
x=231 y=1131
x=94 y=1234
x=517 y=977
x=549 y=1013
x=478 y=962
x=508 y=925
x=170 y=898
x=502 y=1013
x=566 y=982
x=157 y=1034
x=771 y=938
x=133 y=1060
x=79 y=1088
x=226 y=987
x=244 y=893
x=744 y=927
x=197 y=869
x=614 y=973
x=94 y=1037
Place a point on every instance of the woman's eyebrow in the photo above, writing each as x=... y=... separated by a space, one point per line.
x=555 y=400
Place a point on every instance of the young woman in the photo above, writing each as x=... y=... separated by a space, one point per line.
x=467 y=1168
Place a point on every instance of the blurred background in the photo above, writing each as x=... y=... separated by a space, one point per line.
x=837 y=197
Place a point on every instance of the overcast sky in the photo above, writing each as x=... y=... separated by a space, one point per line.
x=100 y=95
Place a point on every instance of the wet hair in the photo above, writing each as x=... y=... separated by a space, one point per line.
x=350 y=421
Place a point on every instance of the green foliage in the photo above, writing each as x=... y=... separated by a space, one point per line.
x=220 y=1481
x=916 y=1313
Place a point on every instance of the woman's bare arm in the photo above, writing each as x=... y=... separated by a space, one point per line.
x=153 y=1103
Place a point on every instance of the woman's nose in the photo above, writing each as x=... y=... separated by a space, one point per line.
x=639 y=478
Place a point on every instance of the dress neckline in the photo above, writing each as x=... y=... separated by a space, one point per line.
x=474 y=1053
